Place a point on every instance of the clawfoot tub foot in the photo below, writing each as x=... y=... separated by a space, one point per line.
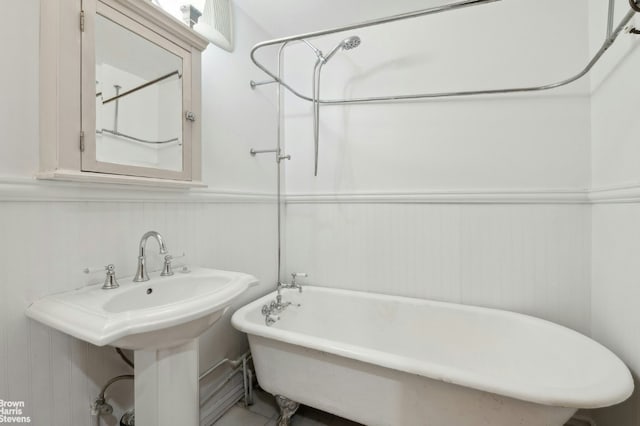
x=287 y=409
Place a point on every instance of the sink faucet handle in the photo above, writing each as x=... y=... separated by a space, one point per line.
x=93 y=269
x=110 y=281
x=166 y=268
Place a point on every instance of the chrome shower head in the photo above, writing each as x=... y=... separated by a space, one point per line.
x=351 y=43
x=346 y=44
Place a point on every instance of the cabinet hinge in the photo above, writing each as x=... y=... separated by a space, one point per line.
x=81 y=141
x=82 y=21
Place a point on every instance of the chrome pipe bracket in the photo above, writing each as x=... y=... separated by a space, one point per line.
x=254 y=84
x=284 y=157
x=253 y=152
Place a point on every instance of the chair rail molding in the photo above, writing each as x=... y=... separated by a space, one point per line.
x=615 y=194
x=23 y=189
x=14 y=188
x=468 y=196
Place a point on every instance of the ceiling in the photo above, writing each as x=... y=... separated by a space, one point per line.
x=289 y=17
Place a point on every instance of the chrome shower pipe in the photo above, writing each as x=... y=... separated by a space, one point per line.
x=278 y=150
x=610 y=15
x=609 y=40
x=317 y=70
x=117 y=87
x=278 y=162
x=317 y=51
x=346 y=44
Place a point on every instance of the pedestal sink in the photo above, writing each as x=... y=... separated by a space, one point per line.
x=160 y=320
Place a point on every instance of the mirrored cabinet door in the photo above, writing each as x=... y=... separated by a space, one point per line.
x=139 y=125
x=138 y=100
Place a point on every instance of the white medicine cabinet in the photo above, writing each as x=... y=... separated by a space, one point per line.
x=119 y=94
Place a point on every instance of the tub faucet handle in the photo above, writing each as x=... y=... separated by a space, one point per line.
x=271 y=319
x=266 y=310
x=294 y=276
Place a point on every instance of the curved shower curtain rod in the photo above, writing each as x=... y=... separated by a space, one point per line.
x=612 y=35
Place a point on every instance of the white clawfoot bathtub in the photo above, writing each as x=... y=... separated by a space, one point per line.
x=394 y=361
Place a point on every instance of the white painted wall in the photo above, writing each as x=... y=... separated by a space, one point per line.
x=236 y=118
x=616 y=229
x=397 y=233
x=503 y=142
x=616 y=153
x=59 y=228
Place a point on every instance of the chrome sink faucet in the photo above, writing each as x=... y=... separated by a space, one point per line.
x=141 y=274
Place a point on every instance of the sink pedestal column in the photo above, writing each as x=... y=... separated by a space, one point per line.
x=167 y=387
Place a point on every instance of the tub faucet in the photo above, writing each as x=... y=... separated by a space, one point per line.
x=293 y=284
x=274 y=308
x=141 y=274
x=280 y=306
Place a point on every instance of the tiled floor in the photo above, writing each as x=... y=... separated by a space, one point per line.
x=264 y=412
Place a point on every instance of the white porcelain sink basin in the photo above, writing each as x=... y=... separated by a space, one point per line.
x=160 y=313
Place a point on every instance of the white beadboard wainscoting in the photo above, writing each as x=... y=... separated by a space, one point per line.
x=615 y=290
x=47 y=244
x=529 y=258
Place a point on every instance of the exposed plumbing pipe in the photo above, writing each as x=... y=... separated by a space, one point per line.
x=100 y=405
x=112 y=381
x=234 y=363
x=239 y=365
x=125 y=358
x=221 y=385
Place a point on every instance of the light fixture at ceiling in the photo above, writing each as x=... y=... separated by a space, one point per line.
x=211 y=18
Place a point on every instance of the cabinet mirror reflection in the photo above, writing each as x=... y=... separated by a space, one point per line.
x=139 y=100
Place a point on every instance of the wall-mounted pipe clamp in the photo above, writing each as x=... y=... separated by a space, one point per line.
x=254 y=84
x=253 y=152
